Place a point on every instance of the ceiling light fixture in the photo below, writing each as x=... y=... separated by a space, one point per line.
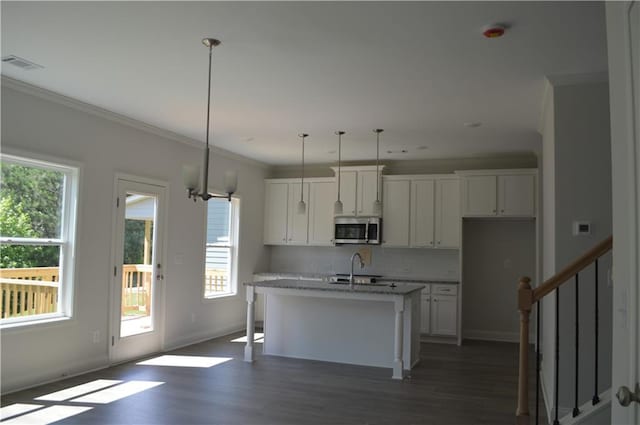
x=192 y=172
x=302 y=207
x=377 y=205
x=337 y=206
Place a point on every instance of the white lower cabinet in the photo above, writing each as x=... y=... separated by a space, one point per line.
x=439 y=310
x=425 y=326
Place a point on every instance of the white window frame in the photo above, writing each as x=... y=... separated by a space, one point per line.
x=67 y=240
x=234 y=223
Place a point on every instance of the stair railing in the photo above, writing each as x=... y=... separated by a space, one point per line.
x=527 y=297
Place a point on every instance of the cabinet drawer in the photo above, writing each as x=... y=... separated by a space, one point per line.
x=444 y=289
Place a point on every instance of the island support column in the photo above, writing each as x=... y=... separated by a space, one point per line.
x=251 y=325
x=398 y=364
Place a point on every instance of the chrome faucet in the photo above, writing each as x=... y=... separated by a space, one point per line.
x=355 y=254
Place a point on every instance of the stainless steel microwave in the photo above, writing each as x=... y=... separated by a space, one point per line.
x=358 y=230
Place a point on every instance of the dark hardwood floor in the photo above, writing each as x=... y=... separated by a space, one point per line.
x=472 y=384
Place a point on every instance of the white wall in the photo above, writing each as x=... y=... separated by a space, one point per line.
x=577 y=186
x=33 y=354
x=496 y=253
x=393 y=262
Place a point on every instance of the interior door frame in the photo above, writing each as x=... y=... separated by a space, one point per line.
x=162 y=210
x=625 y=131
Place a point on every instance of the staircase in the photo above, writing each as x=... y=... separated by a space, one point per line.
x=583 y=411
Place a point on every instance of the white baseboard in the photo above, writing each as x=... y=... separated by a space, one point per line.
x=30 y=380
x=493 y=336
x=203 y=336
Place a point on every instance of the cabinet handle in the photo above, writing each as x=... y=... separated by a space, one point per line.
x=494 y=211
x=501 y=211
x=430 y=242
x=353 y=211
x=435 y=300
x=438 y=242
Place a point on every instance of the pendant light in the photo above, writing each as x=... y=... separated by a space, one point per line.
x=337 y=206
x=377 y=205
x=302 y=207
x=191 y=172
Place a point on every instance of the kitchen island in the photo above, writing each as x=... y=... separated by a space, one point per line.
x=371 y=325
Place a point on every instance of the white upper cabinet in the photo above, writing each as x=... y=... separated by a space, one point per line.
x=499 y=193
x=275 y=213
x=423 y=213
x=447 y=207
x=516 y=195
x=358 y=189
x=435 y=212
x=348 y=193
x=322 y=197
x=479 y=196
x=298 y=224
x=367 y=192
x=395 y=212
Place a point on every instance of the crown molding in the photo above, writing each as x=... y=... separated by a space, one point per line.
x=88 y=108
x=583 y=78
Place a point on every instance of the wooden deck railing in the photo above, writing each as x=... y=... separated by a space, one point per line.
x=28 y=291
x=527 y=298
x=34 y=290
x=136 y=289
x=216 y=281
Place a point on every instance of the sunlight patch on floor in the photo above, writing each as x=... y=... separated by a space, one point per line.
x=17 y=409
x=118 y=392
x=79 y=390
x=257 y=337
x=47 y=415
x=185 y=361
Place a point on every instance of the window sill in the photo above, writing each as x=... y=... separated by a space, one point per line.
x=33 y=324
x=219 y=296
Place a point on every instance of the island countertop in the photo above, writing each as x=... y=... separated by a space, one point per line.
x=368 y=288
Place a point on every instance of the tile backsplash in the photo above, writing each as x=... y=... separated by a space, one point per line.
x=395 y=262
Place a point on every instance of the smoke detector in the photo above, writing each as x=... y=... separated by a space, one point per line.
x=20 y=63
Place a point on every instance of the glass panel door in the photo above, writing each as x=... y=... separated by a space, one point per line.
x=136 y=328
x=136 y=299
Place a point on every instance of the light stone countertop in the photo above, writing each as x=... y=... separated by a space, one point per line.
x=367 y=288
x=384 y=279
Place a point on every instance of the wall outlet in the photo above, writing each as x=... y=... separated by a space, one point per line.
x=96 y=337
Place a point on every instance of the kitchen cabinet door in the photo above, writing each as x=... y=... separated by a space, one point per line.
x=395 y=212
x=298 y=224
x=275 y=215
x=348 y=183
x=516 y=195
x=422 y=213
x=479 y=196
x=425 y=319
x=366 y=192
x=322 y=197
x=444 y=315
x=447 y=228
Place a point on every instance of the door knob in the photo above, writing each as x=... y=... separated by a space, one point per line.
x=625 y=396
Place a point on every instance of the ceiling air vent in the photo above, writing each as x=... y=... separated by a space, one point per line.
x=20 y=62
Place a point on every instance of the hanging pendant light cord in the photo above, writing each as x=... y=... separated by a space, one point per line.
x=205 y=178
x=377 y=167
x=339 y=161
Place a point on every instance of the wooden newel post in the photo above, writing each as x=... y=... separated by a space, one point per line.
x=525 y=302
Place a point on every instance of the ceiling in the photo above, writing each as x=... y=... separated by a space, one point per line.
x=420 y=70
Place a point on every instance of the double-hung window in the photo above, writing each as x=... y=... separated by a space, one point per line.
x=37 y=227
x=221 y=248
